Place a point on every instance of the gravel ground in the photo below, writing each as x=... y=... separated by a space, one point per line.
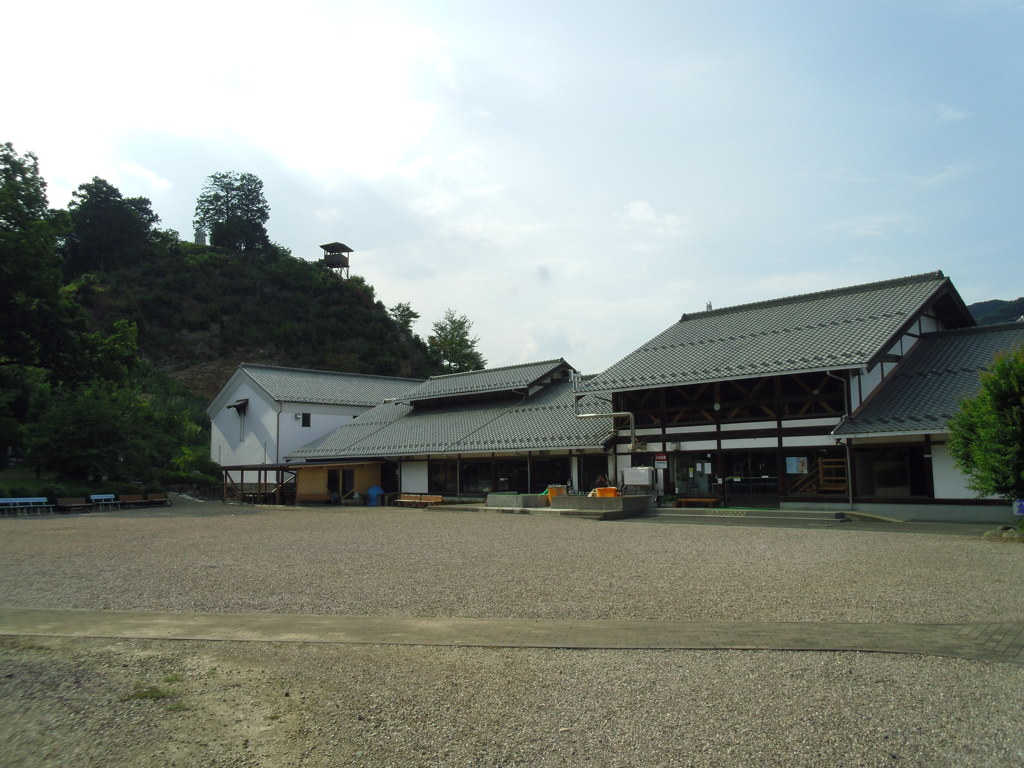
x=84 y=702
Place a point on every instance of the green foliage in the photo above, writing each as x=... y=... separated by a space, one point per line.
x=103 y=429
x=34 y=317
x=451 y=345
x=987 y=434
x=177 y=477
x=997 y=311
x=107 y=230
x=403 y=314
x=233 y=210
x=204 y=304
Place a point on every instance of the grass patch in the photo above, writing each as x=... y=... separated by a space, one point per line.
x=174 y=677
x=148 y=692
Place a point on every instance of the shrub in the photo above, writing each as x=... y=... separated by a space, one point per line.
x=172 y=477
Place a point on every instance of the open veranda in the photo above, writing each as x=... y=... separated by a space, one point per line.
x=129 y=701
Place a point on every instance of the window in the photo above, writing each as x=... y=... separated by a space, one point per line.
x=306 y=419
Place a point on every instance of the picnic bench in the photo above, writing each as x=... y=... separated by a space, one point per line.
x=26 y=505
x=702 y=502
x=104 y=501
x=73 y=504
x=417 y=500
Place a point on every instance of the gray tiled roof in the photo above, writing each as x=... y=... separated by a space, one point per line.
x=492 y=380
x=925 y=390
x=300 y=385
x=832 y=329
x=543 y=421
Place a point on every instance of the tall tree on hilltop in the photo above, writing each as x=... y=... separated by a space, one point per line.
x=233 y=210
x=107 y=230
x=403 y=314
x=452 y=346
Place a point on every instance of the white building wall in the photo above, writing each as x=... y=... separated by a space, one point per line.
x=415 y=477
x=949 y=482
x=247 y=438
x=323 y=419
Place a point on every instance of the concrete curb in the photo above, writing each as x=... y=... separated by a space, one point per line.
x=995 y=641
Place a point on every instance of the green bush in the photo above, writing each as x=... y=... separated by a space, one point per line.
x=172 y=477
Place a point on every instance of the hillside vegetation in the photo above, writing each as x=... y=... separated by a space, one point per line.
x=116 y=333
x=997 y=311
x=201 y=310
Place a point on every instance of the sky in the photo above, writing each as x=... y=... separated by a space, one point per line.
x=572 y=176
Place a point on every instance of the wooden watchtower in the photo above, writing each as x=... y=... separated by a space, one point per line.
x=336 y=258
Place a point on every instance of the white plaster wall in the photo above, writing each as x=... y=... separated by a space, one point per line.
x=863 y=384
x=949 y=482
x=750 y=443
x=808 y=441
x=323 y=420
x=415 y=477
x=248 y=439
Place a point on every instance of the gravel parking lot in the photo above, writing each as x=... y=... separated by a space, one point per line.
x=77 y=702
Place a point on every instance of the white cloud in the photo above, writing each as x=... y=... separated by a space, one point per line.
x=877 y=225
x=949 y=114
x=663 y=224
x=152 y=179
x=943 y=175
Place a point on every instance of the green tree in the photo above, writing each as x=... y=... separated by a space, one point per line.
x=403 y=314
x=105 y=430
x=32 y=309
x=233 y=210
x=108 y=231
x=452 y=346
x=986 y=437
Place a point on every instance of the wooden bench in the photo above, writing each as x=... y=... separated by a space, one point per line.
x=312 y=498
x=417 y=500
x=73 y=504
x=158 y=500
x=132 y=500
x=26 y=505
x=104 y=501
x=706 y=502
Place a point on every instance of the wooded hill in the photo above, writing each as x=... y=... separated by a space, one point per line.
x=202 y=310
x=997 y=311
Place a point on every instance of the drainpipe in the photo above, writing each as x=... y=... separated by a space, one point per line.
x=846 y=443
x=576 y=376
x=632 y=423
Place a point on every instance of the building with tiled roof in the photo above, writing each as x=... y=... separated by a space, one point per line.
x=263 y=412
x=468 y=434
x=799 y=401
x=835 y=399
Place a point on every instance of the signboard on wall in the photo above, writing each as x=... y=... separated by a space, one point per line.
x=796 y=465
x=661 y=461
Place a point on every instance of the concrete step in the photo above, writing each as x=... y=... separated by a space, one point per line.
x=753 y=514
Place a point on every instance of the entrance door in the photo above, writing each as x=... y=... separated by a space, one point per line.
x=692 y=473
x=751 y=479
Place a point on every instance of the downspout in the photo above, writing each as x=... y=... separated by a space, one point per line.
x=576 y=376
x=632 y=423
x=846 y=443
